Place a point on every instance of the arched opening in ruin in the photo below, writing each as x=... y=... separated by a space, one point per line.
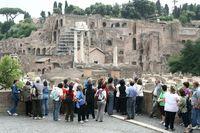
x=39 y=70
x=61 y=22
x=117 y=25
x=134 y=44
x=109 y=43
x=38 y=51
x=20 y=45
x=56 y=26
x=54 y=36
x=43 y=51
x=43 y=70
x=24 y=51
x=92 y=25
x=112 y=25
x=56 y=65
x=33 y=51
x=124 y=25
x=49 y=68
x=104 y=24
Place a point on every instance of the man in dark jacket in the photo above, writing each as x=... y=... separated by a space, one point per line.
x=90 y=100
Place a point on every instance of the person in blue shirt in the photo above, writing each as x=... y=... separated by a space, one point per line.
x=15 y=98
x=45 y=98
x=131 y=93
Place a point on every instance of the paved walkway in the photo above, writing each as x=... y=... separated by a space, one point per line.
x=155 y=123
x=22 y=124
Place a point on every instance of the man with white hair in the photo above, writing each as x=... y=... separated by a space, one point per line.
x=76 y=84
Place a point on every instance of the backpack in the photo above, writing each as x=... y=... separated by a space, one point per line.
x=35 y=92
x=99 y=96
x=188 y=105
x=68 y=98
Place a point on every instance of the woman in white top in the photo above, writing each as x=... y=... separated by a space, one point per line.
x=140 y=97
x=171 y=107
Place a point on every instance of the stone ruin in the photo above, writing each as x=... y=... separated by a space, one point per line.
x=100 y=44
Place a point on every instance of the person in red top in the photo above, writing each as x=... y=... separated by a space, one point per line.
x=69 y=100
x=63 y=104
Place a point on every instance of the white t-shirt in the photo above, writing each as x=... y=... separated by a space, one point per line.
x=139 y=90
x=171 y=102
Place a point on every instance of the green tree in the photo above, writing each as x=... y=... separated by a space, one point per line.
x=166 y=10
x=43 y=15
x=116 y=10
x=60 y=7
x=6 y=26
x=27 y=15
x=10 y=70
x=66 y=6
x=129 y=11
x=11 y=13
x=176 y=12
x=158 y=7
x=188 y=60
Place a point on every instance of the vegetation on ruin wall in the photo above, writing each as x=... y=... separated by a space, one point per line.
x=10 y=70
x=135 y=9
x=10 y=29
x=188 y=61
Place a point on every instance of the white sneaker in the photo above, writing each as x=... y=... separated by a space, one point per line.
x=81 y=122
x=196 y=127
x=15 y=114
x=86 y=120
x=9 y=112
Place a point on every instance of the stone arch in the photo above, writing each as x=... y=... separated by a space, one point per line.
x=117 y=25
x=124 y=25
x=44 y=51
x=61 y=22
x=134 y=44
x=112 y=25
x=39 y=70
x=54 y=36
x=43 y=70
x=56 y=65
x=109 y=42
x=56 y=26
x=92 y=25
x=33 y=51
x=38 y=51
x=104 y=24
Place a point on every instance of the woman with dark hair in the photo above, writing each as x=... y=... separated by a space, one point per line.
x=45 y=98
x=140 y=97
x=122 y=97
x=27 y=98
x=90 y=100
x=15 y=98
x=111 y=90
x=186 y=88
x=171 y=107
x=69 y=100
x=162 y=104
x=183 y=110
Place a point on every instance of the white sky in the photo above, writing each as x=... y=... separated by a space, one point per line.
x=34 y=7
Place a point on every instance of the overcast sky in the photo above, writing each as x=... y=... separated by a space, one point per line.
x=34 y=7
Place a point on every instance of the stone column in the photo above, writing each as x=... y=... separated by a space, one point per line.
x=75 y=47
x=88 y=47
x=115 y=56
x=82 y=47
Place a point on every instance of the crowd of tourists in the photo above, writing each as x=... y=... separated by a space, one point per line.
x=125 y=96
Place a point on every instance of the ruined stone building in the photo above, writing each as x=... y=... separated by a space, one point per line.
x=95 y=40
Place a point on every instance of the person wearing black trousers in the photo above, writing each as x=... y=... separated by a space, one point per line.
x=90 y=100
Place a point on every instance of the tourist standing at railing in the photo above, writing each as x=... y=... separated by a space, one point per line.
x=45 y=100
x=171 y=99
x=122 y=97
x=63 y=104
x=131 y=93
x=90 y=100
x=140 y=97
x=69 y=100
x=162 y=103
x=182 y=104
x=111 y=90
x=196 y=106
x=80 y=104
x=156 y=93
x=27 y=98
x=56 y=95
x=15 y=98
x=101 y=97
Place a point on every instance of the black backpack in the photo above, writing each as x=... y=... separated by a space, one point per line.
x=188 y=104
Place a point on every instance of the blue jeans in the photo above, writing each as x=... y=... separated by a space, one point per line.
x=45 y=106
x=195 y=117
x=13 y=109
x=56 y=109
x=131 y=107
x=110 y=103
